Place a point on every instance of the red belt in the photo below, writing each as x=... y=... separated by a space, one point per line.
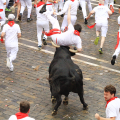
x=49 y=4
x=1 y=10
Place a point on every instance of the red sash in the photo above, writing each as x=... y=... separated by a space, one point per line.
x=52 y=32
x=40 y=3
x=11 y=23
x=2 y=41
x=118 y=38
x=76 y=32
x=1 y=10
x=20 y=115
x=92 y=26
x=110 y=101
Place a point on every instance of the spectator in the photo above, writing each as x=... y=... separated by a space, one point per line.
x=23 y=114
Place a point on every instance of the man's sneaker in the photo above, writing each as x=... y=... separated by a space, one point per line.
x=29 y=19
x=20 y=17
x=8 y=62
x=7 y=10
x=80 y=8
x=100 y=51
x=62 y=15
x=43 y=9
x=86 y=21
x=39 y=47
x=44 y=41
x=12 y=9
x=113 y=60
x=11 y=69
x=96 y=40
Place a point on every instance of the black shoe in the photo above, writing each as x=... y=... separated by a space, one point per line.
x=29 y=19
x=44 y=41
x=20 y=17
x=113 y=60
x=43 y=9
x=75 y=48
x=86 y=21
x=62 y=15
x=80 y=8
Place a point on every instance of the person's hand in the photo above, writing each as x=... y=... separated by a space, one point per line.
x=97 y=116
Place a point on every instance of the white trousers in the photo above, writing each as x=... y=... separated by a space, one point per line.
x=83 y=5
x=7 y=2
x=40 y=26
x=65 y=23
x=11 y=54
x=2 y=20
x=25 y=3
x=60 y=4
x=103 y=27
x=111 y=2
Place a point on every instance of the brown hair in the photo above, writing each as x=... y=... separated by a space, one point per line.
x=24 y=106
x=78 y=27
x=111 y=89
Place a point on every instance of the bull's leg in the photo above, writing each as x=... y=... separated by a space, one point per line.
x=85 y=106
x=65 y=101
x=59 y=100
x=53 y=100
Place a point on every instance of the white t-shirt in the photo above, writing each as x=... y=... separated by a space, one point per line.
x=68 y=38
x=2 y=4
x=101 y=14
x=11 y=35
x=13 y=117
x=113 y=109
x=73 y=10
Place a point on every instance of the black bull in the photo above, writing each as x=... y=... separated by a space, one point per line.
x=64 y=77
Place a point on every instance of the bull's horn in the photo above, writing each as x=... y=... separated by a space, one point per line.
x=73 y=51
x=55 y=45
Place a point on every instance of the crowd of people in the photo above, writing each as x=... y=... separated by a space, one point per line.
x=66 y=35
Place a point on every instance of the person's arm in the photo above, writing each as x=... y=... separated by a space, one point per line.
x=19 y=35
x=90 y=14
x=110 y=12
x=97 y=116
x=69 y=16
x=65 y=8
x=56 y=1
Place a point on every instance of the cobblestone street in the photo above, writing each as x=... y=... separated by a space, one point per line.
x=29 y=80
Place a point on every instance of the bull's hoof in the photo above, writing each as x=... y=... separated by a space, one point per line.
x=54 y=113
x=65 y=102
x=85 y=107
x=53 y=100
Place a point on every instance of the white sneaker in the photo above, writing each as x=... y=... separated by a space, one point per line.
x=8 y=63
x=11 y=69
x=12 y=9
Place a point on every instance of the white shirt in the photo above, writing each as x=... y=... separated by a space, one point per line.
x=73 y=10
x=2 y=4
x=13 y=117
x=101 y=14
x=113 y=109
x=69 y=38
x=11 y=35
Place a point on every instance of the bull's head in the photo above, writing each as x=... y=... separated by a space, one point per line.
x=71 y=50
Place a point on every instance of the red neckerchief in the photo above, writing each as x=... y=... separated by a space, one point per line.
x=11 y=23
x=76 y=32
x=20 y=115
x=110 y=101
x=52 y=32
x=100 y=4
x=117 y=40
x=72 y=0
x=92 y=26
x=40 y=3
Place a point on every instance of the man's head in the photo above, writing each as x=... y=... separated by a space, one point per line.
x=78 y=27
x=24 y=106
x=119 y=9
x=11 y=17
x=109 y=92
x=101 y=2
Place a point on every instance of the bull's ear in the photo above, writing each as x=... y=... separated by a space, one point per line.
x=72 y=54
